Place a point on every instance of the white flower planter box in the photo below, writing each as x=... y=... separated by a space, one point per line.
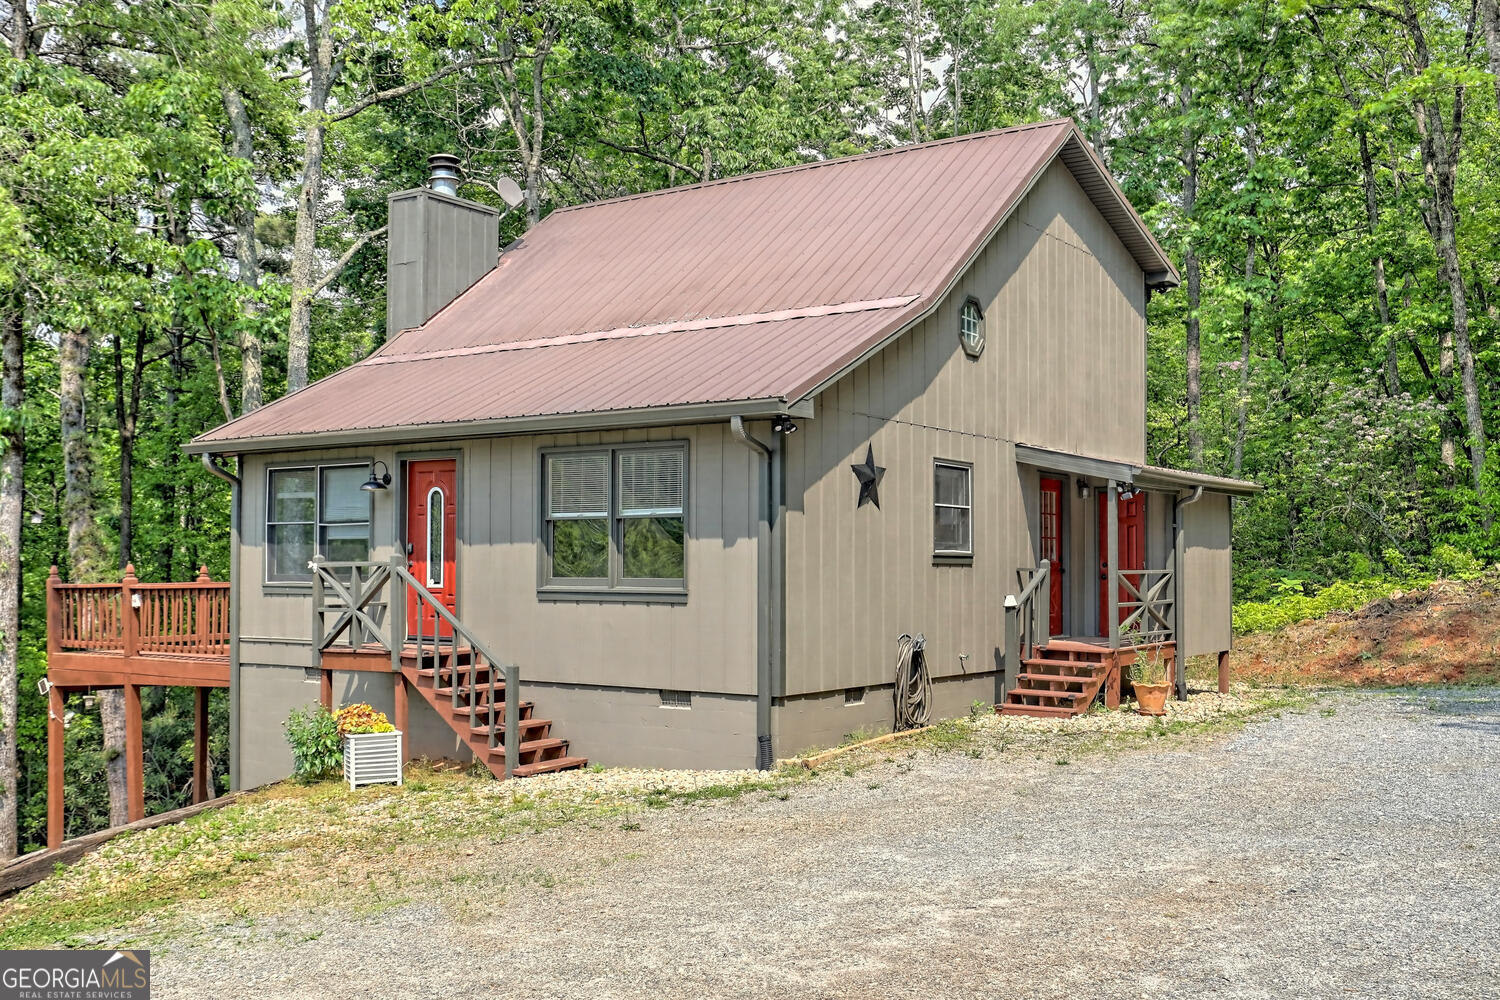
x=372 y=758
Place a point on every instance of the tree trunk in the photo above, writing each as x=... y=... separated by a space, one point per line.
x=309 y=199
x=12 y=469
x=1193 y=273
x=1491 y=14
x=252 y=380
x=1242 y=404
x=86 y=557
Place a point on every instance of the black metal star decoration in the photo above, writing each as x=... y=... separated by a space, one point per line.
x=869 y=475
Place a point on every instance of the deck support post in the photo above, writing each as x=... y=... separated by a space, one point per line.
x=135 y=764
x=1112 y=548
x=56 y=740
x=401 y=712
x=201 y=778
x=325 y=689
x=1223 y=671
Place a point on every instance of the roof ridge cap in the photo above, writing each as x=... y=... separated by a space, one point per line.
x=814 y=164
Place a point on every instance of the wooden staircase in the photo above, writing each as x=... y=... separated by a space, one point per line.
x=1062 y=679
x=434 y=671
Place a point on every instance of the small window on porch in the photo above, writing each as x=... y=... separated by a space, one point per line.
x=953 y=510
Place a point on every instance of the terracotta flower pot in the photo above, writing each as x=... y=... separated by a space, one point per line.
x=1151 y=699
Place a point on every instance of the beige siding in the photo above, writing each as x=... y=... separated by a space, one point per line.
x=1206 y=586
x=705 y=644
x=1064 y=368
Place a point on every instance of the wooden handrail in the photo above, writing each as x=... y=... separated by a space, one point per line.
x=361 y=592
x=1027 y=616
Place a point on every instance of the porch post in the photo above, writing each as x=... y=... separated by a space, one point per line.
x=55 y=744
x=1010 y=652
x=1112 y=532
x=1179 y=544
x=1223 y=671
x=398 y=617
x=135 y=768
x=325 y=689
x=317 y=613
x=201 y=778
x=130 y=617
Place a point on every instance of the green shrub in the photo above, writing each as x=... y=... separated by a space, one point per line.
x=1295 y=606
x=317 y=748
x=1455 y=563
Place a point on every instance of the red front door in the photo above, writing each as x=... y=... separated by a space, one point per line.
x=1052 y=549
x=431 y=540
x=1130 y=515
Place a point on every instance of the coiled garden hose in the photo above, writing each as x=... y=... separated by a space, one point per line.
x=913 y=694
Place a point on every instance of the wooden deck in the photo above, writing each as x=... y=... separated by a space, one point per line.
x=130 y=635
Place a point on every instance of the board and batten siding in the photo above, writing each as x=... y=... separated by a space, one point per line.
x=706 y=644
x=1063 y=368
x=1207 y=592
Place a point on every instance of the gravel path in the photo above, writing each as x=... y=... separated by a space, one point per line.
x=1352 y=850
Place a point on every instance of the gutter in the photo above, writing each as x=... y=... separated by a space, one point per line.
x=210 y=462
x=770 y=580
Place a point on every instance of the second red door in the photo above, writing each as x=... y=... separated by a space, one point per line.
x=1131 y=538
x=432 y=541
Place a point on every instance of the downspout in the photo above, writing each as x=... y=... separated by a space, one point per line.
x=211 y=464
x=1178 y=552
x=769 y=582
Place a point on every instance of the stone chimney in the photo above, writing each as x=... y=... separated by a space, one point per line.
x=438 y=245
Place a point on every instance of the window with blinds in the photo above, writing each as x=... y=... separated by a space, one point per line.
x=316 y=510
x=615 y=518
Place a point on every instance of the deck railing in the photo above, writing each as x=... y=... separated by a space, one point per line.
x=357 y=605
x=1150 y=616
x=1028 y=623
x=131 y=618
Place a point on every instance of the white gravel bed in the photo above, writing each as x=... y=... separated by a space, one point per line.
x=1350 y=850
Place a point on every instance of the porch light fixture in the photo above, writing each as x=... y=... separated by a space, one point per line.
x=1084 y=491
x=88 y=701
x=783 y=425
x=377 y=484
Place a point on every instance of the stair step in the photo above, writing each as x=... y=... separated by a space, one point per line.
x=544 y=766
x=463 y=710
x=463 y=690
x=1056 y=679
x=1036 y=710
x=1047 y=665
x=1023 y=692
x=483 y=730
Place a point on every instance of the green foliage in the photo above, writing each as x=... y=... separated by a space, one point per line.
x=317 y=746
x=1296 y=606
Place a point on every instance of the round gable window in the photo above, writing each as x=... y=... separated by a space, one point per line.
x=971 y=328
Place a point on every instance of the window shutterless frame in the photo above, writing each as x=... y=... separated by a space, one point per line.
x=645 y=484
x=300 y=516
x=952 y=509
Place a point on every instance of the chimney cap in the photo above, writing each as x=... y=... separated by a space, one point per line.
x=443 y=174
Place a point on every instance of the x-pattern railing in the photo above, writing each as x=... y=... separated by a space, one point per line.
x=1151 y=611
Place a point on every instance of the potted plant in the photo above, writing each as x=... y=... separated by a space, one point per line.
x=372 y=746
x=1148 y=678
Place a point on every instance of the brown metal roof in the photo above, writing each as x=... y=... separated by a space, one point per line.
x=762 y=287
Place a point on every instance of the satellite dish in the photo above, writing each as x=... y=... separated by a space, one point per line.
x=510 y=192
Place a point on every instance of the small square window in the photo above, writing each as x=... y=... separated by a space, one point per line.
x=854 y=696
x=676 y=699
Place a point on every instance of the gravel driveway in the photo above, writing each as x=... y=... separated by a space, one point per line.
x=1351 y=850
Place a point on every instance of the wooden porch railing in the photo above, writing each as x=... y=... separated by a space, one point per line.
x=1151 y=616
x=1028 y=624
x=367 y=604
x=133 y=618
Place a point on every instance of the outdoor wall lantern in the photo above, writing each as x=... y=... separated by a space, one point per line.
x=377 y=484
x=1083 y=489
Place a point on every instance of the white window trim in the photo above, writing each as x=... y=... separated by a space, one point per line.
x=971 y=349
x=442 y=536
x=317 y=469
x=968 y=471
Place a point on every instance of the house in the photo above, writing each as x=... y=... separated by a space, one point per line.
x=681 y=467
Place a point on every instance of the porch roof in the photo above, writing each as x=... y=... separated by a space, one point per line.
x=1151 y=477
